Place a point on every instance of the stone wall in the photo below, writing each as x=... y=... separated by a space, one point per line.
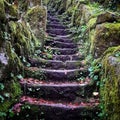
x=19 y=38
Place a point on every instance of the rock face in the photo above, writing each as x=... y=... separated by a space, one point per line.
x=36 y=17
x=17 y=42
x=106 y=35
x=110 y=83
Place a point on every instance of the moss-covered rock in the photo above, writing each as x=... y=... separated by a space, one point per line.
x=106 y=35
x=110 y=84
x=91 y=23
x=107 y=17
x=10 y=94
x=11 y=10
x=22 y=38
x=2 y=10
x=36 y=16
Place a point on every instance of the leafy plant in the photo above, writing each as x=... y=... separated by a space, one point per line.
x=94 y=70
x=2 y=86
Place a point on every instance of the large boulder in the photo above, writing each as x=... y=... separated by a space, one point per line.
x=106 y=35
x=107 y=17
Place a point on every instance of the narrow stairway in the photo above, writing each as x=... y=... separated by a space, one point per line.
x=61 y=96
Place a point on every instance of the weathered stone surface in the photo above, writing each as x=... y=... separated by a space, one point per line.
x=106 y=35
x=57 y=111
x=69 y=91
x=68 y=57
x=57 y=31
x=64 y=51
x=58 y=44
x=36 y=17
x=106 y=17
x=110 y=83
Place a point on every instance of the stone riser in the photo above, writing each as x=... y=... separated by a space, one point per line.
x=62 y=45
x=55 y=64
x=57 y=32
x=55 y=112
x=73 y=92
x=65 y=51
x=67 y=57
x=56 y=75
x=55 y=26
x=64 y=75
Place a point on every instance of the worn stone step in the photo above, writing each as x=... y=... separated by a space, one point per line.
x=59 y=26
x=53 y=18
x=57 y=31
x=64 y=74
x=55 y=110
x=63 y=58
x=77 y=56
x=63 y=51
x=61 y=44
x=67 y=91
x=60 y=40
x=56 y=75
x=68 y=36
x=52 y=35
x=54 y=22
x=55 y=64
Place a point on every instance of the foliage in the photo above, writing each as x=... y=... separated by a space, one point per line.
x=94 y=70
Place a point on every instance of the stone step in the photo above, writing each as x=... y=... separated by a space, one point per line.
x=61 y=44
x=68 y=36
x=67 y=91
x=53 y=18
x=59 y=26
x=54 y=110
x=52 y=35
x=56 y=75
x=60 y=40
x=57 y=31
x=68 y=57
x=63 y=51
x=63 y=58
x=54 y=22
x=55 y=64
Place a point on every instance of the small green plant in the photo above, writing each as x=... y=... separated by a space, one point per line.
x=94 y=70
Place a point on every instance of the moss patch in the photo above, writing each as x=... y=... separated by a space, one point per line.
x=13 y=89
x=110 y=86
x=2 y=10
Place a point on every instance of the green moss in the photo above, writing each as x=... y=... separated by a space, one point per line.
x=113 y=26
x=21 y=34
x=109 y=91
x=13 y=88
x=13 y=59
x=91 y=23
x=2 y=10
x=92 y=41
x=11 y=9
x=37 y=16
x=106 y=35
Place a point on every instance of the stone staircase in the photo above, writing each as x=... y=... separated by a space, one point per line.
x=61 y=96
